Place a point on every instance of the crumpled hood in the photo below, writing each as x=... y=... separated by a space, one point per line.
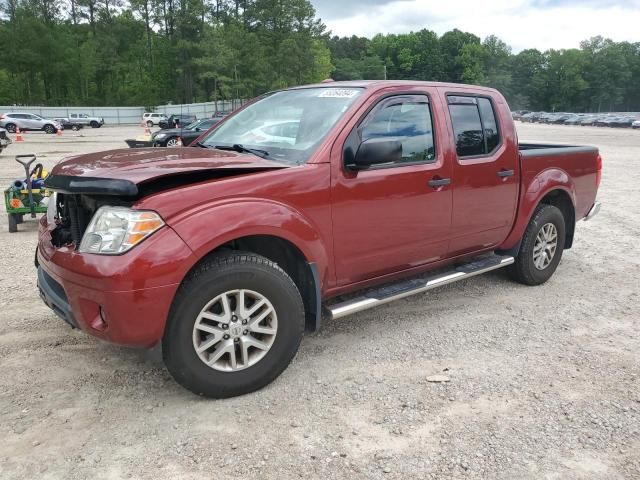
x=125 y=169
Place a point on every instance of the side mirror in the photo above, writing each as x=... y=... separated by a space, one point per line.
x=376 y=151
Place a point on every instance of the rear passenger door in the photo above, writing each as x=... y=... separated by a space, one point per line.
x=485 y=175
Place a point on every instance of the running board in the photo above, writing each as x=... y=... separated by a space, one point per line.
x=406 y=288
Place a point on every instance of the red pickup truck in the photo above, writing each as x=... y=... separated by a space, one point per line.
x=316 y=201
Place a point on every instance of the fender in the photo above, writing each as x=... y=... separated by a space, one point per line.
x=537 y=188
x=221 y=222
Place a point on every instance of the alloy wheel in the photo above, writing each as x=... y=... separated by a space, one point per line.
x=235 y=330
x=545 y=246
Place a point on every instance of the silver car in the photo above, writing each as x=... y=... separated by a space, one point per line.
x=27 y=121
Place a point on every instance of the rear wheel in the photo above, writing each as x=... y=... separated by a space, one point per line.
x=541 y=248
x=235 y=325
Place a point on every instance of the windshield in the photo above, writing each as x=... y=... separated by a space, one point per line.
x=286 y=125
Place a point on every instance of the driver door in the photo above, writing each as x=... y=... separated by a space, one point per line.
x=391 y=217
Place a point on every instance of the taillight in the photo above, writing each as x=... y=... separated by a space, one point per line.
x=598 y=170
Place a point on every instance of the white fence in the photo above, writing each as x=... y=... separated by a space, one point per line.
x=128 y=115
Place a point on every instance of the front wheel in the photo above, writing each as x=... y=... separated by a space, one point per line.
x=10 y=127
x=149 y=124
x=172 y=142
x=235 y=325
x=75 y=128
x=50 y=129
x=541 y=248
x=94 y=124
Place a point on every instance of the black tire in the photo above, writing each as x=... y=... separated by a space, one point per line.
x=149 y=123
x=19 y=218
x=170 y=139
x=13 y=223
x=50 y=129
x=215 y=276
x=524 y=270
x=10 y=127
x=94 y=124
x=75 y=128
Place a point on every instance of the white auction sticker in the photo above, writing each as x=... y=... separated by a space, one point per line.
x=339 y=93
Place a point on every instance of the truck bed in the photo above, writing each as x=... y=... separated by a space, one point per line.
x=545 y=149
x=575 y=163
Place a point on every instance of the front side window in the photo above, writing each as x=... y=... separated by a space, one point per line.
x=289 y=125
x=408 y=120
x=474 y=125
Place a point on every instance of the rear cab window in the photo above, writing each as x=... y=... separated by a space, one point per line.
x=475 y=126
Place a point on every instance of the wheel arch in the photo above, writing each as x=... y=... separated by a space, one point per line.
x=555 y=188
x=290 y=258
x=560 y=199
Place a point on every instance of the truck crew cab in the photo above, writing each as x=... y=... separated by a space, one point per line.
x=316 y=201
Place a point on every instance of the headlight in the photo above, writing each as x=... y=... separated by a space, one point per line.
x=160 y=135
x=52 y=208
x=115 y=230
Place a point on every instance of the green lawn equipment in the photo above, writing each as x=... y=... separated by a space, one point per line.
x=26 y=196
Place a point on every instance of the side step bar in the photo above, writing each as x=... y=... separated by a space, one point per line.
x=406 y=288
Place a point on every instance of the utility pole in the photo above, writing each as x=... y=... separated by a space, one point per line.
x=385 y=71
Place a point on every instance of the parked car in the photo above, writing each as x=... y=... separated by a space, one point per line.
x=227 y=253
x=589 y=120
x=152 y=119
x=175 y=120
x=635 y=124
x=559 y=119
x=621 y=122
x=66 y=124
x=517 y=115
x=530 y=117
x=86 y=120
x=5 y=141
x=27 y=121
x=220 y=115
x=169 y=137
x=573 y=119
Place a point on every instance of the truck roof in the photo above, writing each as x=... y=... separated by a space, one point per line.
x=377 y=84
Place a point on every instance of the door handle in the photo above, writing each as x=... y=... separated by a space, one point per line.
x=506 y=173
x=439 y=182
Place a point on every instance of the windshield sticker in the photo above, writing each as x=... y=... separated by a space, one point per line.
x=339 y=93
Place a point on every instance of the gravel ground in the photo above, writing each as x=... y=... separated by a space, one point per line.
x=542 y=382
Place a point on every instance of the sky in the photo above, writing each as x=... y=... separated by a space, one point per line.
x=522 y=24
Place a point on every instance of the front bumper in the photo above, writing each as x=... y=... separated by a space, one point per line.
x=53 y=295
x=593 y=211
x=123 y=299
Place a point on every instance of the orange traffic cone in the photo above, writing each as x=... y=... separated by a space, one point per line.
x=19 y=135
x=179 y=142
x=147 y=131
x=143 y=123
x=59 y=132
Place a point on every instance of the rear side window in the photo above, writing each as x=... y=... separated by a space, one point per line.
x=407 y=119
x=474 y=125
